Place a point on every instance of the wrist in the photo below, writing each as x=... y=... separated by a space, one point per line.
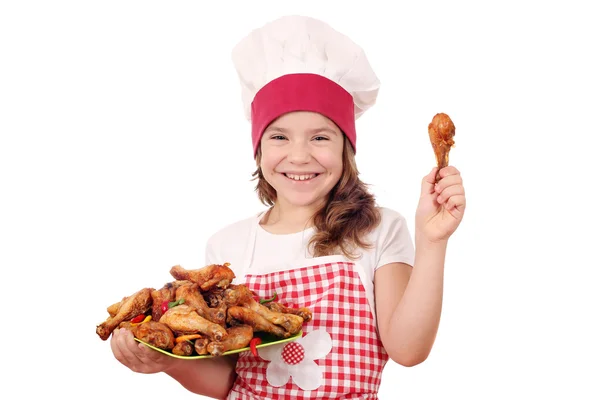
x=423 y=241
x=171 y=366
x=429 y=253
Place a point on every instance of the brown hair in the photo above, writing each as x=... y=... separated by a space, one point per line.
x=349 y=214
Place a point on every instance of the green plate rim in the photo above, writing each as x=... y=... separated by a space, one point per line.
x=257 y=334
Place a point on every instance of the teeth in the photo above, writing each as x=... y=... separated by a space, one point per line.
x=300 y=177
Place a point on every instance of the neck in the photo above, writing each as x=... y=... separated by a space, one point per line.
x=285 y=218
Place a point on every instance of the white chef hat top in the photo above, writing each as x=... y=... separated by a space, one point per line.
x=301 y=45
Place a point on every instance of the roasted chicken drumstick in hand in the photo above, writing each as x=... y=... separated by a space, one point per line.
x=441 y=134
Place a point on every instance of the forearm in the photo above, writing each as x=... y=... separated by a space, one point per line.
x=416 y=317
x=209 y=377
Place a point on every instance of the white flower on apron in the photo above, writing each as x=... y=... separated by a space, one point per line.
x=297 y=359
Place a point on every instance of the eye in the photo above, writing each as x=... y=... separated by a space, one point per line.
x=278 y=137
x=320 y=138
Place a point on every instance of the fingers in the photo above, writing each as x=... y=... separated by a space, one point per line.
x=128 y=351
x=137 y=356
x=114 y=346
x=121 y=346
x=147 y=355
x=456 y=205
x=449 y=170
x=449 y=186
x=428 y=182
x=451 y=192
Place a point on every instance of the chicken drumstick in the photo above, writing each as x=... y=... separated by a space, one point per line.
x=193 y=298
x=185 y=319
x=129 y=307
x=208 y=277
x=441 y=134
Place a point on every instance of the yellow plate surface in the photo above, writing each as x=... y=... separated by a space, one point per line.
x=267 y=340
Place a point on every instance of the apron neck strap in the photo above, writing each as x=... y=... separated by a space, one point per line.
x=251 y=244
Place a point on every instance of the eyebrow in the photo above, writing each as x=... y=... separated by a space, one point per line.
x=312 y=131
x=323 y=129
x=276 y=129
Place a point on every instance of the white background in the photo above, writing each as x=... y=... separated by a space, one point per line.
x=123 y=147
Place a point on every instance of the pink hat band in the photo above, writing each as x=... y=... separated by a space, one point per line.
x=302 y=92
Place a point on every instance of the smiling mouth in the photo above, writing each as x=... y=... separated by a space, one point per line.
x=300 y=178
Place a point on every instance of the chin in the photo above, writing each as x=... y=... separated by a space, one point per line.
x=301 y=201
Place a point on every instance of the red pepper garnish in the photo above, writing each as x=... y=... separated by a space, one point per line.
x=253 y=343
x=164 y=307
x=148 y=318
x=138 y=319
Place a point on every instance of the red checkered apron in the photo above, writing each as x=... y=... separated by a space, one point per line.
x=334 y=293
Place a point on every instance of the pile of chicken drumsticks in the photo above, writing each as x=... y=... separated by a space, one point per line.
x=201 y=313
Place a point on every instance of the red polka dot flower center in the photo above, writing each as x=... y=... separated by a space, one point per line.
x=292 y=353
x=297 y=360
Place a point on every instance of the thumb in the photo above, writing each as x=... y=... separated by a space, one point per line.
x=428 y=182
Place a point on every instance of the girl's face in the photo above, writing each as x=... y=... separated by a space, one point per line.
x=301 y=157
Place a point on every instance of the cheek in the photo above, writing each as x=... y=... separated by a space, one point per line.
x=332 y=162
x=268 y=163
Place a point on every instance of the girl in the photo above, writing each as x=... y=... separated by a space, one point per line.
x=322 y=243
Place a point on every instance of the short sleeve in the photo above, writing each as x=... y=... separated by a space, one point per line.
x=395 y=243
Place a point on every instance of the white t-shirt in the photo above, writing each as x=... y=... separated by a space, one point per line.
x=391 y=239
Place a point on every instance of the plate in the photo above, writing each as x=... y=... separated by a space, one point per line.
x=267 y=340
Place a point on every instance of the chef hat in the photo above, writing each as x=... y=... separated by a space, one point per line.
x=299 y=63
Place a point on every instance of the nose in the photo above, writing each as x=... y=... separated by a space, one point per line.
x=299 y=153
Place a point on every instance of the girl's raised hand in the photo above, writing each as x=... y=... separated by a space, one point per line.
x=441 y=206
x=137 y=356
